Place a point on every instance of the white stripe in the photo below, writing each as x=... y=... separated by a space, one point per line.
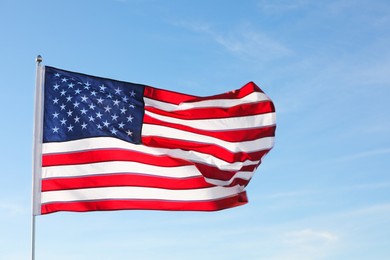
x=230 y=123
x=251 y=98
x=114 y=143
x=139 y=193
x=118 y=167
x=173 y=133
x=239 y=175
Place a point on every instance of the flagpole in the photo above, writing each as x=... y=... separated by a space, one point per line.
x=37 y=151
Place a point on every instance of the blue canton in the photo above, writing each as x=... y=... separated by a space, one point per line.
x=80 y=106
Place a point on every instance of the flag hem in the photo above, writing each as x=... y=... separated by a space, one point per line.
x=37 y=141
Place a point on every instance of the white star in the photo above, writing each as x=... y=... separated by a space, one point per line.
x=123 y=110
x=55 y=115
x=99 y=126
x=55 y=101
x=92 y=106
x=125 y=99
x=57 y=75
x=56 y=86
x=77 y=91
x=131 y=106
x=63 y=92
x=76 y=104
x=117 y=91
x=99 y=115
x=68 y=98
x=100 y=100
x=77 y=119
x=93 y=93
x=91 y=118
x=113 y=131
x=109 y=95
x=84 y=98
x=116 y=102
x=132 y=93
x=55 y=129
x=87 y=85
x=102 y=88
x=107 y=108
x=70 y=128
x=106 y=124
x=84 y=126
x=64 y=80
x=71 y=85
x=129 y=133
x=70 y=112
x=114 y=117
x=121 y=125
x=63 y=121
x=83 y=111
x=130 y=118
x=62 y=106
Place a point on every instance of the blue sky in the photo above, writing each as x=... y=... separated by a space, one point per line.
x=321 y=193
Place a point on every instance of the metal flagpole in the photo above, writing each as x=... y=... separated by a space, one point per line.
x=37 y=151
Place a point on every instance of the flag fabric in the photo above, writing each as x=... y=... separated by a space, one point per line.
x=114 y=145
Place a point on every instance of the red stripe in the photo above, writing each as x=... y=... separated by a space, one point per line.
x=117 y=180
x=107 y=155
x=217 y=112
x=239 y=135
x=215 y=173
x=83 y=206
x=177 y=98
x=244 y=91
x=216 y=151
x=166 y=95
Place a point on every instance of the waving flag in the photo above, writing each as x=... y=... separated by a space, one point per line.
x=113 y=145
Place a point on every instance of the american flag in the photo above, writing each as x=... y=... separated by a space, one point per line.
x=114 y=145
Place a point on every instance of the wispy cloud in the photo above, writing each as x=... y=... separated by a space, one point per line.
x=273 y=7
x=377 y=210
x=308 y=244
x=308 y=237
x=369 y=186
x=244 y=41
x=310 y=241
x=364 y=154
x=11 y=209
x=325 y=236
x=289 y=194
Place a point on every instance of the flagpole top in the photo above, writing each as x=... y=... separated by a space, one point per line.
x=39 y=59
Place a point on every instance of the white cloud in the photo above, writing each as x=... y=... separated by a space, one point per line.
x=365 y=154
x=369 y=186
x=288 y=194
x=11 y=209
x=273 y=7
x=251 y=44
x=244 y=42
x=376 y=211
x=308 y=244
x=309 y=238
